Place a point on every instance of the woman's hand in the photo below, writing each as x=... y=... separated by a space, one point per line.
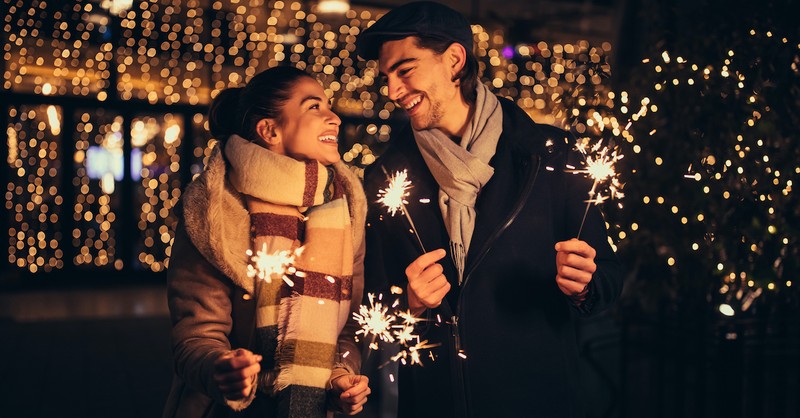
x=350 y=393
x=235 y=373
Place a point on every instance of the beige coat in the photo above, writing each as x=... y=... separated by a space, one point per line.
x=211 y=298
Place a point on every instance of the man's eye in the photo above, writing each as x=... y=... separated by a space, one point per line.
x=404 y=71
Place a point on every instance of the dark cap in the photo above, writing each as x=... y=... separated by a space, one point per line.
x=424 y=18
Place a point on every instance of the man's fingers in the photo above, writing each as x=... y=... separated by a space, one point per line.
x=433 y=271
x=423 y=261
x=571 y=273
x=577 y=247
x=570 y=287
x=434 y=299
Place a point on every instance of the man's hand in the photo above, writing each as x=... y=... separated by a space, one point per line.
x=427 y=286
x=574 y=268
x=235 y=373
x=350 y=393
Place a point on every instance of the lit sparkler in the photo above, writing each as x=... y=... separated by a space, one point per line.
x=375 y=320
x=398 y=327
x=600 y=168
x=265 y=266
x=395 y=194
x=394 y=198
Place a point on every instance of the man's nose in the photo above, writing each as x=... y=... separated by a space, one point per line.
x=396 y=88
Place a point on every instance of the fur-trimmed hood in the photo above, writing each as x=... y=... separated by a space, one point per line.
x=218 y=223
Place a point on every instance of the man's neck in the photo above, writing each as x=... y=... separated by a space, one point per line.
x=456 y=119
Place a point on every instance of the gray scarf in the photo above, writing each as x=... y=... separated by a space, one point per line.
x=463 y=169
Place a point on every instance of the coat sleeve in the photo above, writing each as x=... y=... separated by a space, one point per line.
x=349 y=358
x=606 y=284
x=199 y=297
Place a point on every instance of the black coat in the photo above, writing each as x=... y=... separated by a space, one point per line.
x=515 y=327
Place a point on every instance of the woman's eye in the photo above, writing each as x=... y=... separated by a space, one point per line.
x=314 y=106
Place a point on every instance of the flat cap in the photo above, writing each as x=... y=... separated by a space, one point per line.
x=423 y=18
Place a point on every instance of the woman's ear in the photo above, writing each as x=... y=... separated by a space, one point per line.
x=268 y=131
x=456 y=57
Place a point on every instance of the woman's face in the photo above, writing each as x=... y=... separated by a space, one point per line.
x=309 y=129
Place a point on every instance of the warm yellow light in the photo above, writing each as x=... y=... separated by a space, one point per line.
x=726 y=309
x=333 y=6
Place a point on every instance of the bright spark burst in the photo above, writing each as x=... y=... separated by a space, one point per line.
x=405 y=334
x=266 y=266
x=600 y=167
x=374 y=320
x=394 y=195
x=398 y=327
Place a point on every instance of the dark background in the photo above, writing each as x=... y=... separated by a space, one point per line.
x=82 y=340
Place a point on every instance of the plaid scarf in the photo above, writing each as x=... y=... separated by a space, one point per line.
x=292 y=204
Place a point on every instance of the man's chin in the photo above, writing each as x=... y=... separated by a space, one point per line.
x=419 y=125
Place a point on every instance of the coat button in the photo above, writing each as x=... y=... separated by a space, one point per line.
x=246 y=296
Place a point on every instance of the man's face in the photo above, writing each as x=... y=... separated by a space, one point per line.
x=419 y=81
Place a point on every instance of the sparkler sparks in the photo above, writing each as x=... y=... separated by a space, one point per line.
x=600 y=168
x=393 y=197
x=374 y=320
x=265 y=266
x=398 y=327
x=395 y=194
x=412 y=353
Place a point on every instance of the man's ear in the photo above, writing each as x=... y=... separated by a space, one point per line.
x=267 y=130
x=456 y=57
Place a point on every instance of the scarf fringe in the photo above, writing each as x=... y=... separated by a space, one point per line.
x=287 y=330
x=459 y=258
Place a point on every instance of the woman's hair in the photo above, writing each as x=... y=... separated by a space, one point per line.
x=468 y=74
x=238 y=110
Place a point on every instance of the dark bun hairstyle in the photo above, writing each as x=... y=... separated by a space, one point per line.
x=238 y=110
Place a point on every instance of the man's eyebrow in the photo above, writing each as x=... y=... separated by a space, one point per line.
x=398 y=64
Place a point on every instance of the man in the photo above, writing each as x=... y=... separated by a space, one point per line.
x=504 y=272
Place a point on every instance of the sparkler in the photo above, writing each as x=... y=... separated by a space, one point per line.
x=394 y=198
x=398 y=327
x=374 y=320
x=265 y=265
x=600 y=163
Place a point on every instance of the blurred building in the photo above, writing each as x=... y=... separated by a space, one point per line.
x=103 y=106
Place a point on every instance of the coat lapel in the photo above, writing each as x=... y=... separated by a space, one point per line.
x=515 y=168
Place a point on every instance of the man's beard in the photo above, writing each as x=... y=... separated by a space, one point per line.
x=430 y=119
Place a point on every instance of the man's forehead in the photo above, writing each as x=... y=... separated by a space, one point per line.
x=397 y=51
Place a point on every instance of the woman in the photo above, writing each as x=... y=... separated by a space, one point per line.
x=281 y=345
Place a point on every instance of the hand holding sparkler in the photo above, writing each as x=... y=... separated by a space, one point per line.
x=351 y=393
x=427 y=286
x=574 y=268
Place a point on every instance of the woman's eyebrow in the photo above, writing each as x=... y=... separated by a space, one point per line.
x=307 y=98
